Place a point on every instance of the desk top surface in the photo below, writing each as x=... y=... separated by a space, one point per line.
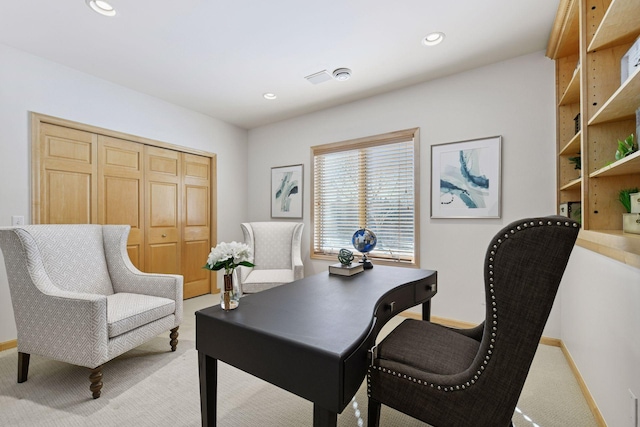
x=329 y=313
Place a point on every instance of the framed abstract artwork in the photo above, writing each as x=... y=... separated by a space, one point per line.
x=466 y=179
x=286 y=191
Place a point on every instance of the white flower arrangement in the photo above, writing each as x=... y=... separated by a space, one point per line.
x=229 y=256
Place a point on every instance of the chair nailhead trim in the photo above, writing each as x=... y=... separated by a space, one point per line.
x=494 y=328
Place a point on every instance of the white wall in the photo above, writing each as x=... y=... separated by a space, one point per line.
x=32 y=84
x=513 y=99
x=600 y=302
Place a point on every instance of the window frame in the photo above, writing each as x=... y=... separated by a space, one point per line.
x=412 y=134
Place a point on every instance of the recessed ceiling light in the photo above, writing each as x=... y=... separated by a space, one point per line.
x=269 y=95
x=433 y=39
x=341 y=74
x=102 y=7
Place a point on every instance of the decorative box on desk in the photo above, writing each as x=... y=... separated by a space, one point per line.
x=346 y=270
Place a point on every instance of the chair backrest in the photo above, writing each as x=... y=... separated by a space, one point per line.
x=273 y=243
x=524 y=265
x=72 y=255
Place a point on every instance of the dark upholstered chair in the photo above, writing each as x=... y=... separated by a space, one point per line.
x=473 y=377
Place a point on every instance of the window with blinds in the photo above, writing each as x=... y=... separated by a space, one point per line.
x=372 y=183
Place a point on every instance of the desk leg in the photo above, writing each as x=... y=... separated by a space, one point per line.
x=323 y=417
x=208 y=368
x=426 y=310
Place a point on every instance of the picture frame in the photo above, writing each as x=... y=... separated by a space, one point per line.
x=466 y=179
x=287 y=184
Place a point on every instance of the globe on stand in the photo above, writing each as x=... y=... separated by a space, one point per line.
x=364 y=240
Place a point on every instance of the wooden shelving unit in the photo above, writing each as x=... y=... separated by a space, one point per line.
x=594 y=110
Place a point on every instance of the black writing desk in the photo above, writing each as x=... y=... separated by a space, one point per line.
x=310 y=337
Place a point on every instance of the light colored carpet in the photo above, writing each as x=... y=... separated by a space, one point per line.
x=151 y=386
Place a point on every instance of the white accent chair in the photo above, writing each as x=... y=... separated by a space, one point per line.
x=77 y=297
x=276 y=255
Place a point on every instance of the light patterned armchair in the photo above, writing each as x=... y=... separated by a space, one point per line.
x=77 y=297
x=276 y=255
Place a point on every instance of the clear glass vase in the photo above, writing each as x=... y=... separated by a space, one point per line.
x=231 y=293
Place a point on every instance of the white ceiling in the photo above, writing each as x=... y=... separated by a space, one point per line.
x=219 y=57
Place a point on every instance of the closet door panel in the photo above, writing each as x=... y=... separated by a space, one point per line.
x=121 y=190
x=66 y=176
x=163 y=217
x=197 y=225
x=67 y=197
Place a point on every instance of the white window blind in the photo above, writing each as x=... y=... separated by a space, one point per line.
x=367 y=183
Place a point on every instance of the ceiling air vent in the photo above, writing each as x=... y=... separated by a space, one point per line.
x=319 y=77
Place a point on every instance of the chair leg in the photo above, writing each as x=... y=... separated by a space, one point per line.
x=23 y=366
x=174 y=338
x=373 y=413
x=96 y=382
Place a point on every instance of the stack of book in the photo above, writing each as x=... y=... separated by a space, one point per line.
x=345 y=270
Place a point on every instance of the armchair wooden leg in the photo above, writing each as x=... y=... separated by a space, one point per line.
x=96 y=381
x=373 y=413
x=174 y=338
x=23 y=366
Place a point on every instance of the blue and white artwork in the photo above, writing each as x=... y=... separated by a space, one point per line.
x=466 y=179
x=286 y=192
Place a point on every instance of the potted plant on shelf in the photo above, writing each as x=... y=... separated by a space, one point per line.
x=626 y=147
x=577 y=163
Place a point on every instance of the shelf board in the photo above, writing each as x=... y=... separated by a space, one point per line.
x=573 y=146
x=619 y=25
x=624 y=247
x=572 y=185
x=572 y=94
x=623 y=103
x=626 y=166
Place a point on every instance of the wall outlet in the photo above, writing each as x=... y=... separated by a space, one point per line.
x=17 y=220
x=633 y=410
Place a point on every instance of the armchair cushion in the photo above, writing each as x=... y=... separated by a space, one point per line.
x=72 y=256
x=276 y=253
x=126 y=312
x=432 y=348
x=265 y=279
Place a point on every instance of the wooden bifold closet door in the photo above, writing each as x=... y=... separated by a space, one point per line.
x=164 y=195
